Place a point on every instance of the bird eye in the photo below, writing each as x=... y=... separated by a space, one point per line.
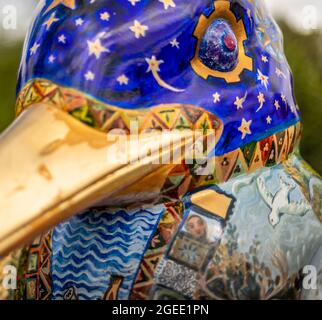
x=219 y=47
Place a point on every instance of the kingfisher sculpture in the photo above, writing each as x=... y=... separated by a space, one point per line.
x=244 y=223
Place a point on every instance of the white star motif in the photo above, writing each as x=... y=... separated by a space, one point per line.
x=284 y=99
x=50 y=21
x=269 y=120
x=277 y=105
x=264 y=59
x=168 y=3
x=139 y=29
x=154 y=68
x=245 y=128
x=280 y=73
x=154 y=64
x=79 y=22
x=263 y=79
x=51 y=58
x=216 y=97
x=105 y=16
x=261 y=100
x=261 y=97
x=90 y=76
x=62 y=39
x=175 y=43
x=239 y=102
x=34 y=48
x=96 y=48
x=67 y=3
x=123 y=80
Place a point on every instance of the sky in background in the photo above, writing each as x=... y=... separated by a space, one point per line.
x=302 y=15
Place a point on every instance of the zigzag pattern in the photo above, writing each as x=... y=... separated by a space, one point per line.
x=92 y=248
x=267 y=152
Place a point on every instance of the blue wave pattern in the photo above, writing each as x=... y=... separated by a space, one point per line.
x=93 y=246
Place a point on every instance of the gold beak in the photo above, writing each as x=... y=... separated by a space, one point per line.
x=53 y=166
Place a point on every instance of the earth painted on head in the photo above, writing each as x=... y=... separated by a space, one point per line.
x=219 y=48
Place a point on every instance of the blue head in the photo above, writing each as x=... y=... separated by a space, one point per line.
x=225 y=57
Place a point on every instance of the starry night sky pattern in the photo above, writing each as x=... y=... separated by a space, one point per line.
x=102 y=48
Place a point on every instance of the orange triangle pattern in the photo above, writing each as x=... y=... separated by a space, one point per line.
x=106 y=117
x=164 y=233
x=267 y=152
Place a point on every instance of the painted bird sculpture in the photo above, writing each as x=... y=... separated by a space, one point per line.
x=108 y=88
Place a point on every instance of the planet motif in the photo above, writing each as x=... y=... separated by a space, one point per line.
x=219 y=47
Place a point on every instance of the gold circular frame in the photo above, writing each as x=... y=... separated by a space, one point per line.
x=222 y=10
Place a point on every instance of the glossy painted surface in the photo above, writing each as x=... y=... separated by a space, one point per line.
x=247 y=230
x=250 y=238
x=219 y=47
x=105 y=49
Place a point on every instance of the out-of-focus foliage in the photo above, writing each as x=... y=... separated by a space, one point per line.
x=304 y=53
x=9 y=64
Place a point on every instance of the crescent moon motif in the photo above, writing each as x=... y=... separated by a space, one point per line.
x=154 y=67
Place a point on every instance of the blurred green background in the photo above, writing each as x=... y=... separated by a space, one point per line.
x=304 y=53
